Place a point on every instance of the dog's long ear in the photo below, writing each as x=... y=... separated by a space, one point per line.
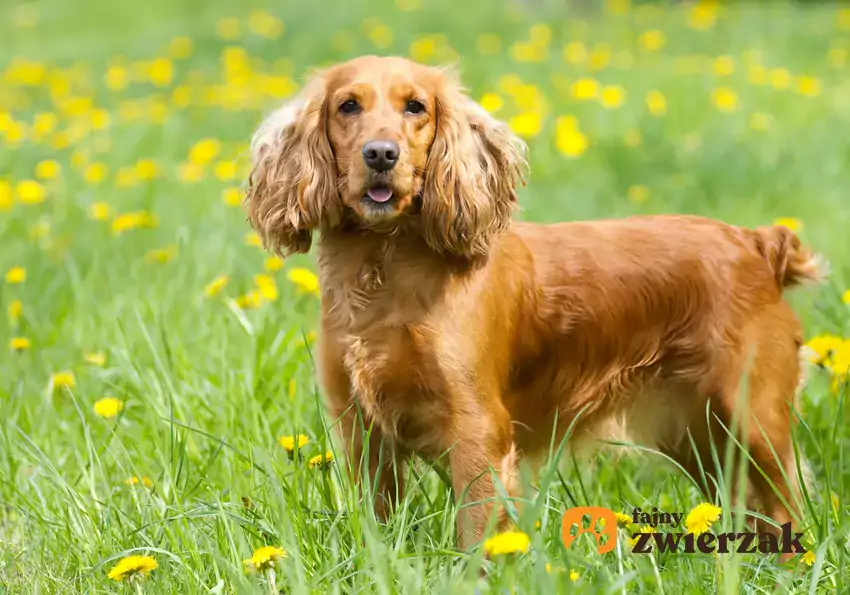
x=292 y=189
x=473 y=168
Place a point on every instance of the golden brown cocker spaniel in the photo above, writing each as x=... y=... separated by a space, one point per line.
x=451 y=328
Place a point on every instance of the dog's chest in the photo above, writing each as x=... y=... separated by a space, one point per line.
x=395 y=377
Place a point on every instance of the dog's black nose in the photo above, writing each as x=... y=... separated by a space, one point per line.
x=381 y=155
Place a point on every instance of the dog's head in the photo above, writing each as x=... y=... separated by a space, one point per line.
x=378 y=140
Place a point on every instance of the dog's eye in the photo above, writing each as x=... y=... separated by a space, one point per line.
x=349 y=107
x=414 y=107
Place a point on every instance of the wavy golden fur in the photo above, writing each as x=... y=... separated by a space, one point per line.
x=450 y=328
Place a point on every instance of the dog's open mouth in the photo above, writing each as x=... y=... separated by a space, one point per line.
x=379 y=194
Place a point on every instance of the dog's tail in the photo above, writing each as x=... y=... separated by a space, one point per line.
x=791 y=262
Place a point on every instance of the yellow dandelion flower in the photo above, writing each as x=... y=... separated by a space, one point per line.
x=133 y=567
x=19 y=344
x=267 y=286
x=181 y=96
x=304 y=279
x=823 y=346
x=569 y=140
x=215 y=286
x=180 y=48
x=225 y=170
x=252 y=239
x=840 y=364
x=653 y=40
x=489 y=44
x=293 y=443
x=809 y=86
x=321 y=461
x=585 y=88
x=491 y=102
x=757 y=75
x=612 y=97
x=527 y=124
x=145 y=481
x=63 y=380
x=100 y=119
x=638 y=193
x=574 y=575
x=190 y=172
x=30 y=192
x=249 y=301
x=725 y=99
x=95 y=359
x=43 y=124
x=528 y=97
x=291 y=388
x=642 y=529
x=808 y=558
x=15 y=309
x=575 y=52
x=791 y=223
x=99 y=211
x=47 y=169
x=79 y=158
x=723 y=65
x=701 y=517
x=94 y=173
x=780 y=78
x=228 y=29
x=160 y=72
x=16 y=275
x=264 y=24
x=273 y=264
x=108 y=407
x=527 y=52
x=232 y=197
x=161 y=255
x=116 y=78
x=146 y=169
x=846 y=297
x=617 y=6
x=510 y=542
x=134 y=220
x=126 y=177
x=264 y=558
x=656 y=103
x=599 y=57
x=204 y=151
x=381 y=36
x=540 y=34
x=623 y=520
x=702 y=16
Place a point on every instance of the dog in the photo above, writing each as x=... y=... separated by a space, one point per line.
x=447 y=327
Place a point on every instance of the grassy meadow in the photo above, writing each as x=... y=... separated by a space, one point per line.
x=155 y=362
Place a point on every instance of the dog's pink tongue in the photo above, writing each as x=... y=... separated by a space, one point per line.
x=380 y=194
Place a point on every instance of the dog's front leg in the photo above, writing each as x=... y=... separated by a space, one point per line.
x=361 y=441
x=485 y=450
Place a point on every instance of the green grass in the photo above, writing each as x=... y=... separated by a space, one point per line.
x=208 y=388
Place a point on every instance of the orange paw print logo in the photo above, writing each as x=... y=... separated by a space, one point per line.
x=602 y=523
